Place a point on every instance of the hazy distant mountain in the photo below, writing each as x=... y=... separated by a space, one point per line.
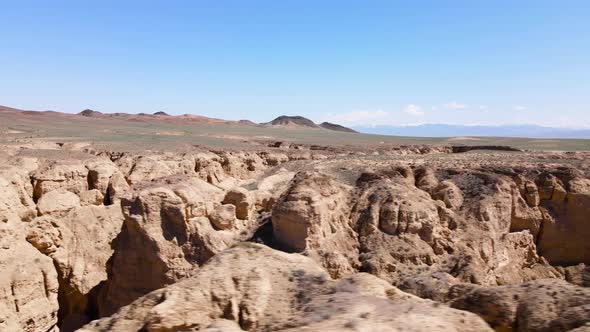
x=443 y=130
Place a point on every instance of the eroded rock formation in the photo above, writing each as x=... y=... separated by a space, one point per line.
x=155 y=241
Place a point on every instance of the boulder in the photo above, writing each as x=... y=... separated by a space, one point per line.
x=118 y=187
x=91 y=197
x=224 y=216
x=99 y=174
x=57 y=202
x=242 y=200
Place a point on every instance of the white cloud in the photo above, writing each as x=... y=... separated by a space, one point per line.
x=519 y=108
x=455 y=106
x=414 y=110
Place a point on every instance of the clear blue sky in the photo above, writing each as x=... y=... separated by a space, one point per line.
x=355 y=62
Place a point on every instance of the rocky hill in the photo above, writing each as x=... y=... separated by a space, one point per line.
x=90 y=113
x=336 y=127
x=301 y=122
x=292 y=121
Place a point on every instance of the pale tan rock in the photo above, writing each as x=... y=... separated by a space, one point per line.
x=312 y=217
x=80 y=244
x=16 y=201
x=270 y=188
x=91 y=197
x=449 y=193
x=532 y=193
x=542 y=305
x=404 y=232
x=274 y=158
x=99 y=174
x=147 y=168
x=242 y=199
x=525 y=217
x=274 y=291
x=118 y=187
x=163 y=239
x=564 y=239
x=224 y=216
x=426 y=179
x=28 y=284
x=70 y=175
x=57 y=202
x=208 y=167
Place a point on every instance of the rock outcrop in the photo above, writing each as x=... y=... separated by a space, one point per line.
x=28 y=280
x=28 y=284
x=542 y=305
x=80 y=245
x=312 y=217
x=275 y=291
x=171 y=227
x=69 y=175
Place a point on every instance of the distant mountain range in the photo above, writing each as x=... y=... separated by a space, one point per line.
x=443 y=130
x=283 y=121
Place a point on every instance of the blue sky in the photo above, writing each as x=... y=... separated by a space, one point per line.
x=353 y=62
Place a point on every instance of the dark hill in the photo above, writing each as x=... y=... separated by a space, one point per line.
x=90 y=113
x=336 y=127
x=297 y=121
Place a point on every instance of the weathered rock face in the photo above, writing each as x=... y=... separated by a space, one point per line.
x=542 y=305
x=147 y=168
x=274 y=291
x=312 y=217
x=269 y=189
x=99 y=174
x=406 y=233
x=70 y=175
x=118 y=187
x=80 y=246
x=167 y=234
x=224 y=216
x=91 y=197
x=28 y=284
x=16 y=192
x=57 y=202
x=449 y=193
x=28 y=281
x=399 y=225
x=556 y=217
x=565 y=232
x=243 y=201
